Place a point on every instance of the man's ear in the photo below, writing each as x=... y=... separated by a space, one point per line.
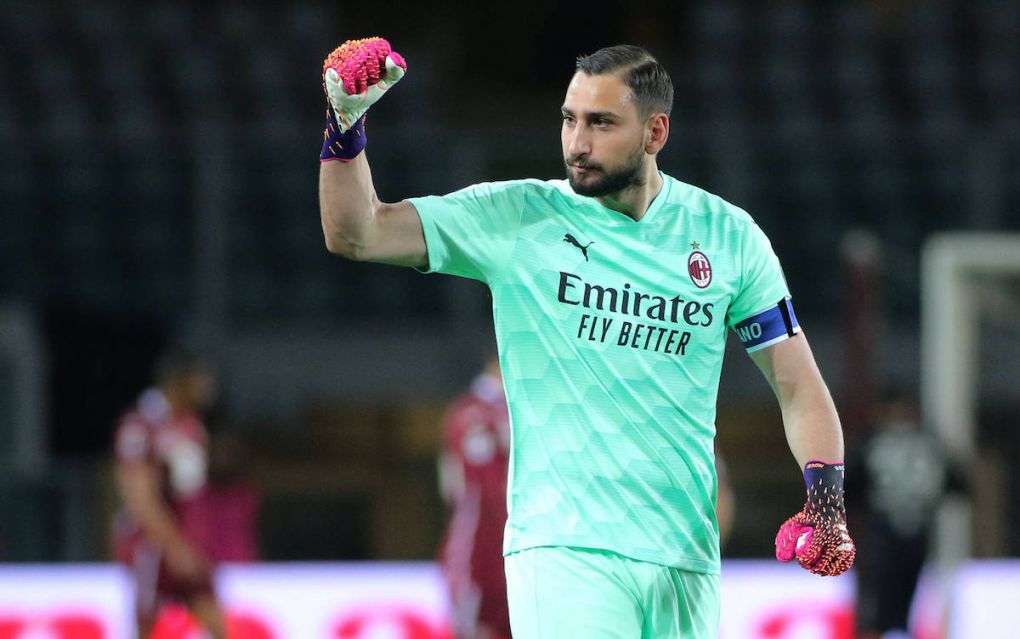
x=656 y=133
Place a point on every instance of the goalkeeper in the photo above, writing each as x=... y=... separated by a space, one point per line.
x=612 y=291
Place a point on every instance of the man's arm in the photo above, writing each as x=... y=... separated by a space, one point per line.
x=451 y=477
x=817 y=537
x=138 y=485
x=809 y=416
x=356 y=225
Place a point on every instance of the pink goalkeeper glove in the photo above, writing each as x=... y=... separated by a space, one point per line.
x=817 y=536
x=354 y=76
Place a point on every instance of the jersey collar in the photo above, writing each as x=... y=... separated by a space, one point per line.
x=657 y=203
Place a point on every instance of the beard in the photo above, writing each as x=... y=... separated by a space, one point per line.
x=602 y=182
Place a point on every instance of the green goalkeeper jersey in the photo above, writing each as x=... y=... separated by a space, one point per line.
x=611 y=336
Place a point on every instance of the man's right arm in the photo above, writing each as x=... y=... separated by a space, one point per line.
x=138 y=484
x=139 y=487
x=358 y=226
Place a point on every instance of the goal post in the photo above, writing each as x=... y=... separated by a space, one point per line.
x=954 y=267
x=23 y=449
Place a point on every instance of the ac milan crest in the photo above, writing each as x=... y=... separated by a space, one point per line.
x=700 y=269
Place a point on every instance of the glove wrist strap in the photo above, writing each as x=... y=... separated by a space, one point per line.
x=824 y=482
x=826 y=473
x=342 y=146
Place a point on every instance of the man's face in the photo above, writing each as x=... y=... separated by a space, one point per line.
x=603 y=135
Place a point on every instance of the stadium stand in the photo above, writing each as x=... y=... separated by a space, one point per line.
x=813 y=116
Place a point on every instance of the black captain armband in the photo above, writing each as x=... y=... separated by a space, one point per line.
x=769 y=327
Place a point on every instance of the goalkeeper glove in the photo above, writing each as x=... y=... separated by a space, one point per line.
x=354 y=76
x=817 y=536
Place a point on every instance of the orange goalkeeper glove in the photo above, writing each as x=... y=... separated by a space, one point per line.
x=817 y=536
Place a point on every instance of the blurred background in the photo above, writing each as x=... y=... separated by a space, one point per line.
x=159 y=186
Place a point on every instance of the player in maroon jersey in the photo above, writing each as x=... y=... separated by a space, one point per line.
x=473 y=474
x=161 y=450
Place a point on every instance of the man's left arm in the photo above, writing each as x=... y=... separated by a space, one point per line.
x=817 y=536
x=809 y=416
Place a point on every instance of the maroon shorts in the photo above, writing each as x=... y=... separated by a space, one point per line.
x=156 y=584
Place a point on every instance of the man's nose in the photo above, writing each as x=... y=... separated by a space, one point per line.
x=579 y=142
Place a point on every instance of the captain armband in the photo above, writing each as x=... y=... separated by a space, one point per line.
x=769 y=327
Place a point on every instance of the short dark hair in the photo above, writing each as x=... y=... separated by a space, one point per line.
x=640 y=71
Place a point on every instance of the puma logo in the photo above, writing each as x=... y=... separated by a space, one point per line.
x=570 y=239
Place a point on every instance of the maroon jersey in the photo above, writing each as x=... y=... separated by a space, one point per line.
x=177 y=446
x=476 y=445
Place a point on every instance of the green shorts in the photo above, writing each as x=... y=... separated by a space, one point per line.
x=559 y=592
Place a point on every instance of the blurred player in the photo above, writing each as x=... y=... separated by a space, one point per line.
x=612 y=294
x=902 y=473
x=161 y=454
x=472 y=480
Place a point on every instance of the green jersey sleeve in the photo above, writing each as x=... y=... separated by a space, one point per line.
x=762 y=283
x=472 y=232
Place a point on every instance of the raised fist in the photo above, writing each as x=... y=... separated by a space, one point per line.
x=356 y=74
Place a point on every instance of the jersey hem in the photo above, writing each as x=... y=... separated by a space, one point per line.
x=429 y=232
x=688 y=564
